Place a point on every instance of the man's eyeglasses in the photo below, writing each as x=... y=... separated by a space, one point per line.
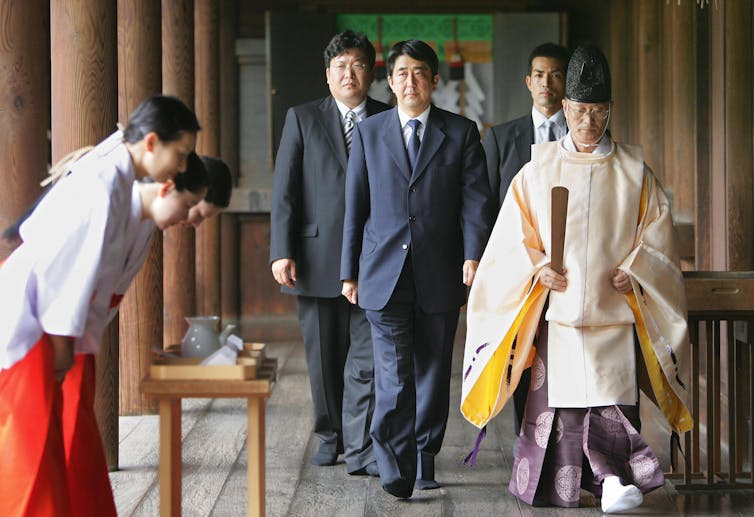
x=594 y=113
x=355 y=67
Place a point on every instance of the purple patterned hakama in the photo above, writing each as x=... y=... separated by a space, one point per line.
x=561 y=450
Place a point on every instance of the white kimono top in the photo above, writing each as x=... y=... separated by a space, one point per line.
x=60 y=280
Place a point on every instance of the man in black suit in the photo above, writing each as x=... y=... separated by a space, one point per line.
x=306 y=234
x=508 y=147
x=417 y=220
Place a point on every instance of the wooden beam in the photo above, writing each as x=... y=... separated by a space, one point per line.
x=179 y=274
x=84 y=111
x=207 y=73
x=229 y=123
x=139 y=76
x=24 y=104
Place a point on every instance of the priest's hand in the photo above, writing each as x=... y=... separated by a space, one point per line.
x=284 y=271
x=350 y=291
x=621 y=282
x=469 y=271
x=62 y=354
x=553 y=280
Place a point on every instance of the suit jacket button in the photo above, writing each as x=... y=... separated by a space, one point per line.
x=413 y=189
x=404 y=246
x=412 y=218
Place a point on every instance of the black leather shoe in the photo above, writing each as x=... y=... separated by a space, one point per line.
x=369 y=470
x=426 y=484
x=399 y=488
x=324 y=458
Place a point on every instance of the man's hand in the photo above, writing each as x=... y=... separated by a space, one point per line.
x=351 y=291
x=284 y=271
x=469 y=271
x=552 y=279
x=621 y=281
x=62 y=353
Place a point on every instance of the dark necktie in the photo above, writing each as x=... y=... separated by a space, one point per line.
x=550 y=131
x=348 y=124
x=413 y=142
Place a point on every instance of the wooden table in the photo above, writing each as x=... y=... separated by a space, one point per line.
x=169 y=394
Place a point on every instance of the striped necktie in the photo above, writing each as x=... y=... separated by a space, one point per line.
x=348 y=124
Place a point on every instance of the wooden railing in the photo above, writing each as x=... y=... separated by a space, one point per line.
x=719 y=452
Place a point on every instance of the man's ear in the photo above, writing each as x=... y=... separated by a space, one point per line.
x=166 y=188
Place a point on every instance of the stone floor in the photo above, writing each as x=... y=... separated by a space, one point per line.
x=214 y=465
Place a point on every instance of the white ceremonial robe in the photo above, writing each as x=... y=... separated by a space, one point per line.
x=618 y=218
x=61 y=279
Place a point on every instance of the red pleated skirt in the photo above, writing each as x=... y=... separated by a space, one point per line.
x=33 y=480
x=52 y=462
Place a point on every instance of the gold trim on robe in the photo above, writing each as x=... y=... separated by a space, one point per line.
x=608 y=195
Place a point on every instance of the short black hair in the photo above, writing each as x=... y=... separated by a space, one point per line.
x=220 y=182
x=552 y=50
x=194 y=178
x=416 y=49
x=167 y=116
x=346 y=40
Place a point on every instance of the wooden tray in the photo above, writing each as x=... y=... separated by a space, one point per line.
x=183 y=368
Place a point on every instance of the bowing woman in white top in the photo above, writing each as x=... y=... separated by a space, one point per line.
x=153 y=206
x=55 y=293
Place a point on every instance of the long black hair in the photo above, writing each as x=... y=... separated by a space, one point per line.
x=165 y=115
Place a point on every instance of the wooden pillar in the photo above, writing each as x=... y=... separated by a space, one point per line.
x=179 y=242
x=648 y=80
x=84 y=111
x=24 y=104
x=229 y=234
x=139 y=76
x=678 y=107
x=702 y=223
x=207 y=73
x=732 y=185
x=620 y=55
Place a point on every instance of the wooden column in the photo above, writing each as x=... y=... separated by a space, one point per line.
x=229 y=105
x=179 y=243
x=620 y=55
x=648 y=80
x=702 y=224
x=207 y=73
x=139 y=76
x=24 y=104
x=678 y=106
x=738 y=131
x=84 y=111
x=732 y=185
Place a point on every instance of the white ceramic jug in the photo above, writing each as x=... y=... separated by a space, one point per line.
x=201 y=338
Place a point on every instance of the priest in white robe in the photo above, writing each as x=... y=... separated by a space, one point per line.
x=611 y=322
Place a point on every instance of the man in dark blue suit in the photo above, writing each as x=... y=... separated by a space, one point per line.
x=417 y=220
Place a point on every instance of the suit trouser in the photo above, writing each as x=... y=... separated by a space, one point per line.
x=338 y=347
x=412 y=358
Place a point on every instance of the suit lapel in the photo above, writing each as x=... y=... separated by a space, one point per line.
x=393 y=138
x=330 y=120
x=434 y=135
x=525 y=139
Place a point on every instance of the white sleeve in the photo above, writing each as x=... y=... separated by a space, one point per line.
x=77 y=222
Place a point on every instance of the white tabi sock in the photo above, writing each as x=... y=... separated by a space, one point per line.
x=617 y=497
